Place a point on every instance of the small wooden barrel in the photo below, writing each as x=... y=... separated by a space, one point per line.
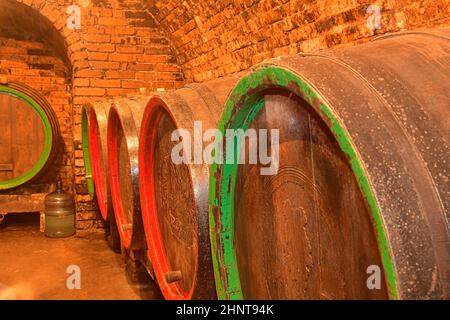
x=94 y=129
x=361 y=187
x=123 y=141
x=174 y=196
x=30 y=135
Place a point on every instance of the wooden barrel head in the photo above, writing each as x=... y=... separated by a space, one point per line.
x=304 y=233
x=23 y=138
x=174 y=195
x=29 y=138
x=175 y=207
x=170 y=214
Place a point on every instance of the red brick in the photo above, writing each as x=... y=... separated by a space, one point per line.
x=81 y=82
x=122 y=57
x=134 y=84
x=153 y=59
x=129 y=49
x=103 y=47
x=98 y=56
x=141 y=67
x=110 y=65
x=89 y=91
x=120 y=75
x=126 y=31
x=98 y=38
x=89 y=73
x=105 y=83
x=147 y=76
x=119 y=92
x=167 y=68
x=107 y=21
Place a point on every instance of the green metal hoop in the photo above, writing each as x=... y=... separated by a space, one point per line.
x=36 y=169
x=86 y=151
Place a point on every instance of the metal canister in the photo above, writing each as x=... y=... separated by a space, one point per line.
x=59 y=213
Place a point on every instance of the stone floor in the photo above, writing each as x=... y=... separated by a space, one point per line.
x=33 y=266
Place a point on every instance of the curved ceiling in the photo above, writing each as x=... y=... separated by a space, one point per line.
x=20 y=22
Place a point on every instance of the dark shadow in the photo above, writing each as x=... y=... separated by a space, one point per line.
x=20 y=221
x=21 y=22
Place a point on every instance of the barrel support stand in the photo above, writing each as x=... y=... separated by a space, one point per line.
x=140 y=273
x=136 y=262
x=23 y=204
x=133 y=265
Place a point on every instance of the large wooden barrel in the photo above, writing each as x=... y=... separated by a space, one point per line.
x=94 y=124
x=96 y=136
x=30 y=135
x=174 y=196
x=124 y=122
x=362 y=180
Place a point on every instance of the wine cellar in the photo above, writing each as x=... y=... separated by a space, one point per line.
x=224 y=150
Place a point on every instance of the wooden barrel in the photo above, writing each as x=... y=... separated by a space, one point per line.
x=361 y=187
x=94 y=123
x=97 y=118
x=124 y=123
x=174 y=195
x=30 y=135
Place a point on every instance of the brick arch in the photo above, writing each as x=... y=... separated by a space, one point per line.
x=119 y=50
x=36 y=56
x=76 y=53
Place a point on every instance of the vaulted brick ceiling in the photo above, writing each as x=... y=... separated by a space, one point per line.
x=216 y=37
x=212 y=38
x=235 y=34
x=20 y=22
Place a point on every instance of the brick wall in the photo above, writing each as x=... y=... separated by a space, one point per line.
x=215 y=38
x=130 y=46
x=31 y=63
x=119 y=50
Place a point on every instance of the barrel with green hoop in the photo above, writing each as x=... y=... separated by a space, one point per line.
x=360 y=188
x=30 y=135
x=94 y=122
x=86 y=153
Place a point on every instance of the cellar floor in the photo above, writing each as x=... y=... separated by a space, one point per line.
x=33 y=266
